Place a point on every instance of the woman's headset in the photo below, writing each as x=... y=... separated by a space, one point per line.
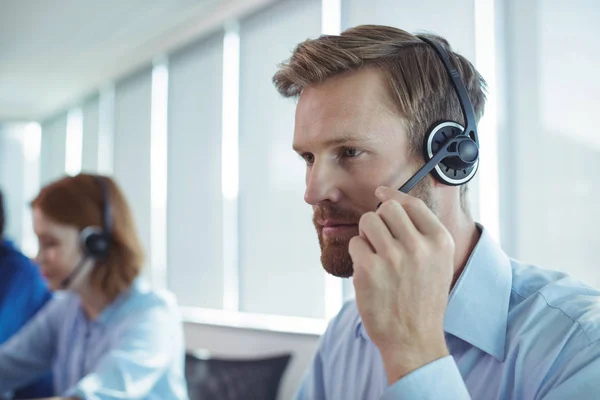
x=451 y=151
x=94 y=241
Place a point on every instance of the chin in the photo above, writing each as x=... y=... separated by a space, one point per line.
x=53 y=284
x=336 y=260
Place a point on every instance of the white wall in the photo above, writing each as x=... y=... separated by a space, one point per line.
x=132 y=149
x=278 y=243
x=90 y=138
x=54 y=147
x=19 y=179
x=194 y=206
x=554 y=151
x=11 y=180
x=235 y=342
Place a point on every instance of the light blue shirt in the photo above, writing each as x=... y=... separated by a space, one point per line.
x=133 y=350
x=514 y=331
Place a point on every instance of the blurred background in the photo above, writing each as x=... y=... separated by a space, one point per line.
x=174 y=99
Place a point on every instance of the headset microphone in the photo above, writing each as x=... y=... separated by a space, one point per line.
x=69 y=279
x=461 y=153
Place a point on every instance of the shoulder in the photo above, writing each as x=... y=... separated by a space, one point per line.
x=148 y=303
x=21 y=284
x=146 y=296
x=556 y=300
x=16 y=263
x=62 y=301
x=62 y=306
x=554 y=323
x=147 y=315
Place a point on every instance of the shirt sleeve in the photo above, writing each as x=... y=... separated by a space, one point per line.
x=138 y=359
x=439 y=380
x=29 y=353
x=575 y=378
x=39 y=293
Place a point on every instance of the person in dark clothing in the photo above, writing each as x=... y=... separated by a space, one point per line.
x=23 y=292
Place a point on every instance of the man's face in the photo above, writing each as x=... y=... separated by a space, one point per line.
x=353 y=140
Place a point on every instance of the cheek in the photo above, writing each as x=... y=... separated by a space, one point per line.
x=365 y=177
x=53 y=259
x=378 y=172
x=359 y=187
x=60 y=259
x=393 y=170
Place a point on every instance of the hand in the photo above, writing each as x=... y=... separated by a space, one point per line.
x=403 y=269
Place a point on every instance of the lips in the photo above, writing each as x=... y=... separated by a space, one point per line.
x=335 y=225
x=332 y=223
x=338 y=228
x=47 y=275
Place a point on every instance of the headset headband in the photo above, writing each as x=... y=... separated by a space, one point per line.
x=459 y=88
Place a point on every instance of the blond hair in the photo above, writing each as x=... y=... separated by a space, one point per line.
x=416 y=78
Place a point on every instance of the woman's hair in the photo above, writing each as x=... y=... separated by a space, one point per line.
x=79 y=201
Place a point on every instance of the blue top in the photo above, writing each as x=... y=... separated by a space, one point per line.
x=22 y=293
x=514 y=331
x=133 y=350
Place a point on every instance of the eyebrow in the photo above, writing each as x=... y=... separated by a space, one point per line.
x=341 y=139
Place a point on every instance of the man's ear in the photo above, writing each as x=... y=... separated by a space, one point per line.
x=437 y=184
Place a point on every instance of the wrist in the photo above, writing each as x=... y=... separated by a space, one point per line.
x=401 y=361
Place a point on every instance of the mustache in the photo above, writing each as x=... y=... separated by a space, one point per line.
x=336 y=213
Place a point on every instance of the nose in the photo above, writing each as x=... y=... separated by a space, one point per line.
x=321 y=185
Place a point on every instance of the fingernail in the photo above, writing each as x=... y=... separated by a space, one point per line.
x=380 y=190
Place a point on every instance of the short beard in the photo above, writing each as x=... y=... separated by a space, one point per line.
x=334 y=251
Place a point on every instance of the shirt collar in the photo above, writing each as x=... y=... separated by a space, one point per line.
x=477 y=309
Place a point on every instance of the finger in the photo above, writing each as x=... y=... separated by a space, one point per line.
x=363 y=258
x=397 y=220
x=422 y=217
x=360 y=251
x=372 y=227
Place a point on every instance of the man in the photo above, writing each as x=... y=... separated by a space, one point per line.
x=22 y=293
x=440 y=311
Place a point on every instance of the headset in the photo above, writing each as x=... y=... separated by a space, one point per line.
x=451 y=151
x=95 y=241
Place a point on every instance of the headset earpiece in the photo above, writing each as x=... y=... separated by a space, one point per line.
x=451 y=151
x=95 y=242
x=459 y=168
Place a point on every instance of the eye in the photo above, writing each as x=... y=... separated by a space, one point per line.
x=351 y=152
x=309 y=158
x=47 y=244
